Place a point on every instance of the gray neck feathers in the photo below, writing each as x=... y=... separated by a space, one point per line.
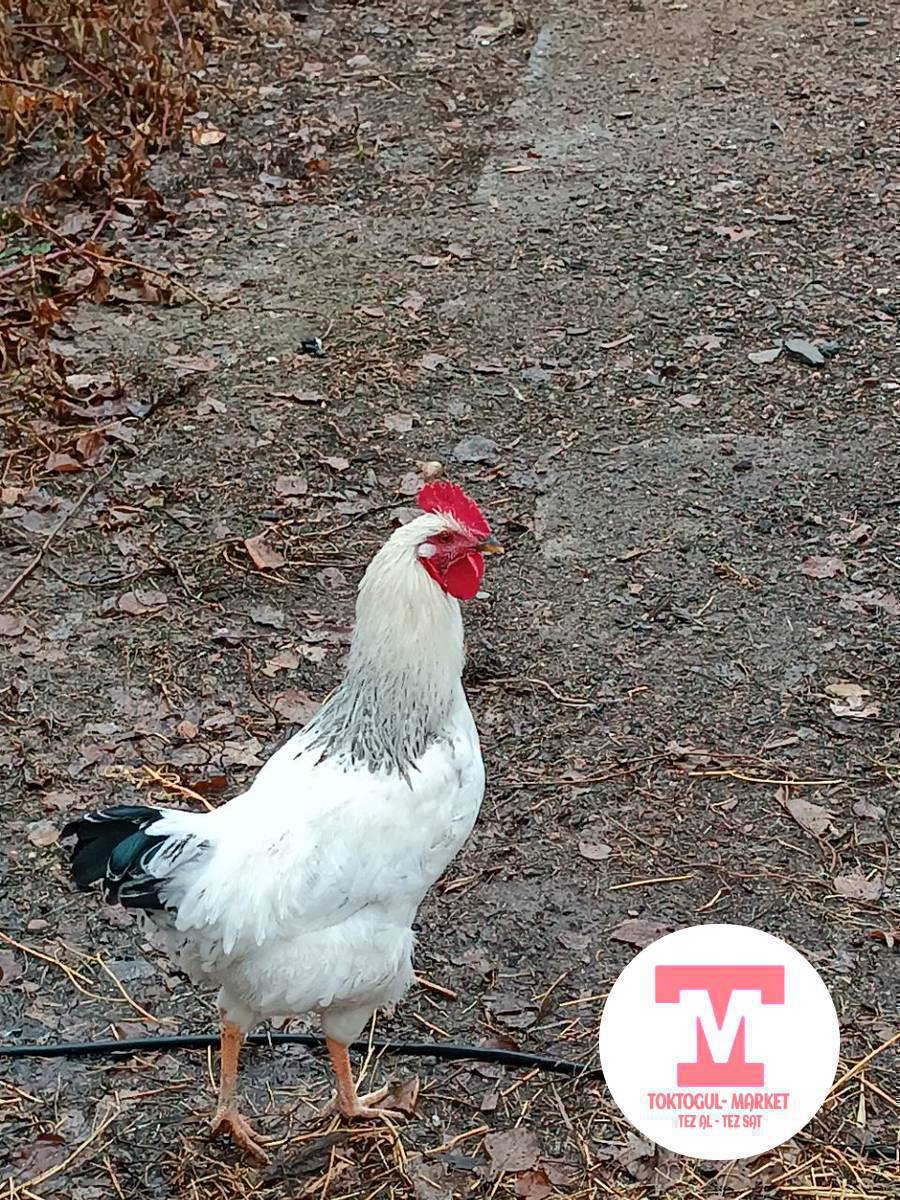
x=402 y=684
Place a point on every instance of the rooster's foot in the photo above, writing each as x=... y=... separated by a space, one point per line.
x=241 y=1132
x=370 y=1107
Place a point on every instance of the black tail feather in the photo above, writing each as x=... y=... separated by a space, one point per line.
x=111 y=845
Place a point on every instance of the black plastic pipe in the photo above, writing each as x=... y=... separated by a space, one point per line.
x=443 y=1050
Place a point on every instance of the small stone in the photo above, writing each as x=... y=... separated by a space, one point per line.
x=805 y=351
x=537 y=375
x=127 y=970
x=829 y=349
x=764 y=356
x=267 y=614
x=523 y=479
x=742 y=464
x=476 y=449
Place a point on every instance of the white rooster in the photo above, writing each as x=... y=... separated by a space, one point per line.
x=299 y=895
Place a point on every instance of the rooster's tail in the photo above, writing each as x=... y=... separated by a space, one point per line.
x=113 y=845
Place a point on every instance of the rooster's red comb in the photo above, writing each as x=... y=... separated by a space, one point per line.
x=443 y=497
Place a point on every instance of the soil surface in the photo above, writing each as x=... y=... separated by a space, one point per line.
x=546 y=253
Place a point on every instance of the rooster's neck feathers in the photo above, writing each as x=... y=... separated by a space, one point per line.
x=406 y=659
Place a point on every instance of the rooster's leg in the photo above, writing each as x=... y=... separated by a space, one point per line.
x=346 y=1099
x=227 y=1119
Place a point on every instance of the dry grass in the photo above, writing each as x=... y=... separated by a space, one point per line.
x=63 y=71
x=87 y=129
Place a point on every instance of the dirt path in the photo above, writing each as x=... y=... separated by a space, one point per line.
x=544 y=257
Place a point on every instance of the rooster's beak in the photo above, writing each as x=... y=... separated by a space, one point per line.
x=489 y=547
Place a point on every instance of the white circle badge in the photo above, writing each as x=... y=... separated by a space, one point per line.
x=719 y=1041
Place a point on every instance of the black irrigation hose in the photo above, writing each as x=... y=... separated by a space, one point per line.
x=445 y=1050
x=199 y=1041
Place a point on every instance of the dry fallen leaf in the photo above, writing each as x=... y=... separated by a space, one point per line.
x=331 y=578
x=291 y=485
x=82 y=382
x=844 y=688
x=485 y=34
x=877 y=598
x=823 y=566
x=855 y=886
x=412 y=302
x=210 y=405
x=301 y=397
x=42 y=833
x=92 y=447
x=812 y=817
x=262 y=555
x=858 y=712
x=868 y=811
x=11 y=625
x=142 y=601
x=637 y=1156
x=59 y=801
x=62 y=463
x=512 y=1150
x=404 y=1096
x=284 y=660
x=850 y=700
x=398 y=422
x=313 y=654
x=573 y=941
x=10 y=968
x=594 y=851
x=207 y=135
x=190 y=364
x=639 y=932
x=534 y=1185
x=734 y=233
x=431 y=362
x=410 y=484
x=296 y=707
x=46 y=1151
x=267 y=614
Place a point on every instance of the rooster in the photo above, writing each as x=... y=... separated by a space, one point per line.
x=299 y=895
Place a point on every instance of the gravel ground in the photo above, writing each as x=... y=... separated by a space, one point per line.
x=566 y=257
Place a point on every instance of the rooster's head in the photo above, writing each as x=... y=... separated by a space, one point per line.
x=455 y=540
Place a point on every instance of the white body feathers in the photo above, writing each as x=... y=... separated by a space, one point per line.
x=299 y=895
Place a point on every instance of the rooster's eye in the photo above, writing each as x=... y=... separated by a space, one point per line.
x=445 y=536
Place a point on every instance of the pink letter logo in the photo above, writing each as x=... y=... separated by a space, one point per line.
x=730 y=1068
x=721 y=1061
